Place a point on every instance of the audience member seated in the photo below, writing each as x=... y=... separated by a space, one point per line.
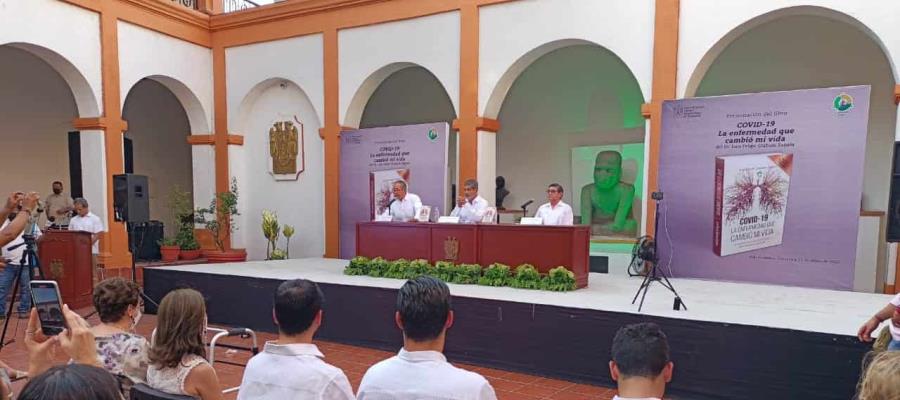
x=891 y=311
x=292 y=366
x=177 y=355
x=879 y=380
x=81 y=379
x=421 y=371
x=72 y=382
x=640 y=362
x=122 y=352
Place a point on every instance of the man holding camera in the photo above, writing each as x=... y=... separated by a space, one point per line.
x=17 y=216
x=16 y=264
x=17 y=201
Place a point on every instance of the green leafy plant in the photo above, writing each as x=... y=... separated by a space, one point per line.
x=288 y=231
x=526 y=277
x=378 y=267
x=417 y=268
x=272 y=231
x=358 y=266
x=218 y=218
x=186 y=240
x=167 y=241
x=444 y=270
x=397 y=269
x=278 y=254
x=468 y=274
x=495 y=275
x=559 y=279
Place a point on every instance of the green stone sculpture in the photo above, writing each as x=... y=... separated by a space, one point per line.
x=606 y=203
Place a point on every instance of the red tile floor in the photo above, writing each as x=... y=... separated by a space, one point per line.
x=353 y=360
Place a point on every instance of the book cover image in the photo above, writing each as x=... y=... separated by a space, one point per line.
x=380 y=189
x=751 y=196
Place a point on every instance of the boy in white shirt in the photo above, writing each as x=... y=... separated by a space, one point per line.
x=640 y=362
x=891 y=312
x=420 y=371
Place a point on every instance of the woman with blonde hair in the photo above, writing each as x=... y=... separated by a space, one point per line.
x=880 y=379
x=178 y=362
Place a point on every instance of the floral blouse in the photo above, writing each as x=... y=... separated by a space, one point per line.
x=124 y=355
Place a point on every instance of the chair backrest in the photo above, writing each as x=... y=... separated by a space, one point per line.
x=141 y=391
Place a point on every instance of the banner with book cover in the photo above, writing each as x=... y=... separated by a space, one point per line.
x=373 y=159
x=763 y=187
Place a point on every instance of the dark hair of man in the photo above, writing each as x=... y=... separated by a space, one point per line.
x=556 y=186
x=57 y=183
x=640 y=350
x=296 y=304
x=424 y=304
x=72 y=382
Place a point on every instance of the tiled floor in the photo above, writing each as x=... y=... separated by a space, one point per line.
x=353 y=360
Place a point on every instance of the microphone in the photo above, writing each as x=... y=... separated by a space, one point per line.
x=527 y=203
x=389 y=205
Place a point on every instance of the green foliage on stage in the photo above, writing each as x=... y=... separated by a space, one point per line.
x=525 y=276
x=496 y=275
x=559 y=279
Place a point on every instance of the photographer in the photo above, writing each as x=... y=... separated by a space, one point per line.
x=17 y=265
x=17 y=201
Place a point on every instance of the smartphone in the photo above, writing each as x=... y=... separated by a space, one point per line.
x=46 y=299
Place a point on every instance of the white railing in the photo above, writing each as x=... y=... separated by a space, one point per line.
x=237 y=5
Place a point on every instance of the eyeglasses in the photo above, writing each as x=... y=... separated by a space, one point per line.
x=552 y=191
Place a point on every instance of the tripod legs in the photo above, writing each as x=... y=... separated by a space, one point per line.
x=654 y=276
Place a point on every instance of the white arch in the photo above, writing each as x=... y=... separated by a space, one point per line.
x=85 y=101
x=253 y=95
x=357 y=106
x=192 y=108
x=498 y=94
x=716 y=50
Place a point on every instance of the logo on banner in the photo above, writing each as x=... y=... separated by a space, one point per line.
x=432 y=134
x=843 y=102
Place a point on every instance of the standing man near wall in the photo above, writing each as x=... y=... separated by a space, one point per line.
x=59 y=206
x=86 y=221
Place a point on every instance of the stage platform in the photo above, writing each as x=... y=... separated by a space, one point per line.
x=736 y=341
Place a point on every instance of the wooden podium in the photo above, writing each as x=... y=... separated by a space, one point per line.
x=65 y=257
x=545 y=247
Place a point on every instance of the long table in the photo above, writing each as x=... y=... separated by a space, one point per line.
x=545 y=247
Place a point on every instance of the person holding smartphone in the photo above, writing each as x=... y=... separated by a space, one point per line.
x=12 y=255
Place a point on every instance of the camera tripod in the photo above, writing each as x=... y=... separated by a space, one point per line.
x=653 y=275
x=30 y=261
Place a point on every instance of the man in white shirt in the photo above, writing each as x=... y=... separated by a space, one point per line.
x=640 y=362
x=405 y=206
x=556 y=212
x=86 y=221
x=12 y=255
x=420 y=371
x=292 y=366
x=470 y=207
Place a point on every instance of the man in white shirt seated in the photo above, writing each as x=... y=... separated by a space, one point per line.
x=85 y=220
x=556 y=212
x=420 y=371
x=640 y=362
x=470 y=207
x=405 y=206
x=292 y=366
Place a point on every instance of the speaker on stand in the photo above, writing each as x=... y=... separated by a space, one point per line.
x=131 y=204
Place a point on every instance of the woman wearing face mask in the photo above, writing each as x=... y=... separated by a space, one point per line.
x=122 y=352
x=178 y=362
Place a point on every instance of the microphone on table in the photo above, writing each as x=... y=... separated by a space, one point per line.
x=525 y=207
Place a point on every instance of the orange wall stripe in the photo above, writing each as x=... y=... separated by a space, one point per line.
x=481 y=124
x=88 y=124
x=236 y=140
x=164 y=17
x=331 y=132
x=467 y=122
x=114 y=244
x=196 y=140
x=665 y=69
x=220 y=105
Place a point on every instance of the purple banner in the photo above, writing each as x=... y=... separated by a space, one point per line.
x=371 y=159
x=763 y=187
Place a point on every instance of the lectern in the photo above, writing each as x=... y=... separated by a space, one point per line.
x=66 y=258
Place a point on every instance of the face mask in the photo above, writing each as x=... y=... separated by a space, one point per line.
x=136 y=318
x=57 y=191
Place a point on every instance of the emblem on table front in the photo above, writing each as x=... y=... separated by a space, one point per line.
x=56 y=268
x=451 y=248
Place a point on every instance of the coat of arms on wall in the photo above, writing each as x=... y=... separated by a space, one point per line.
x=451 y=248
x=285 y=147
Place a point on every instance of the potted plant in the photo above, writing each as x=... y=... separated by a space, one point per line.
x=169 y=249
x=272 y=230
x=190 y=249
x=180 y=204
x=218 y=219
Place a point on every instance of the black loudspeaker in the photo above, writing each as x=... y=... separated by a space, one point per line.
x=131 y=198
